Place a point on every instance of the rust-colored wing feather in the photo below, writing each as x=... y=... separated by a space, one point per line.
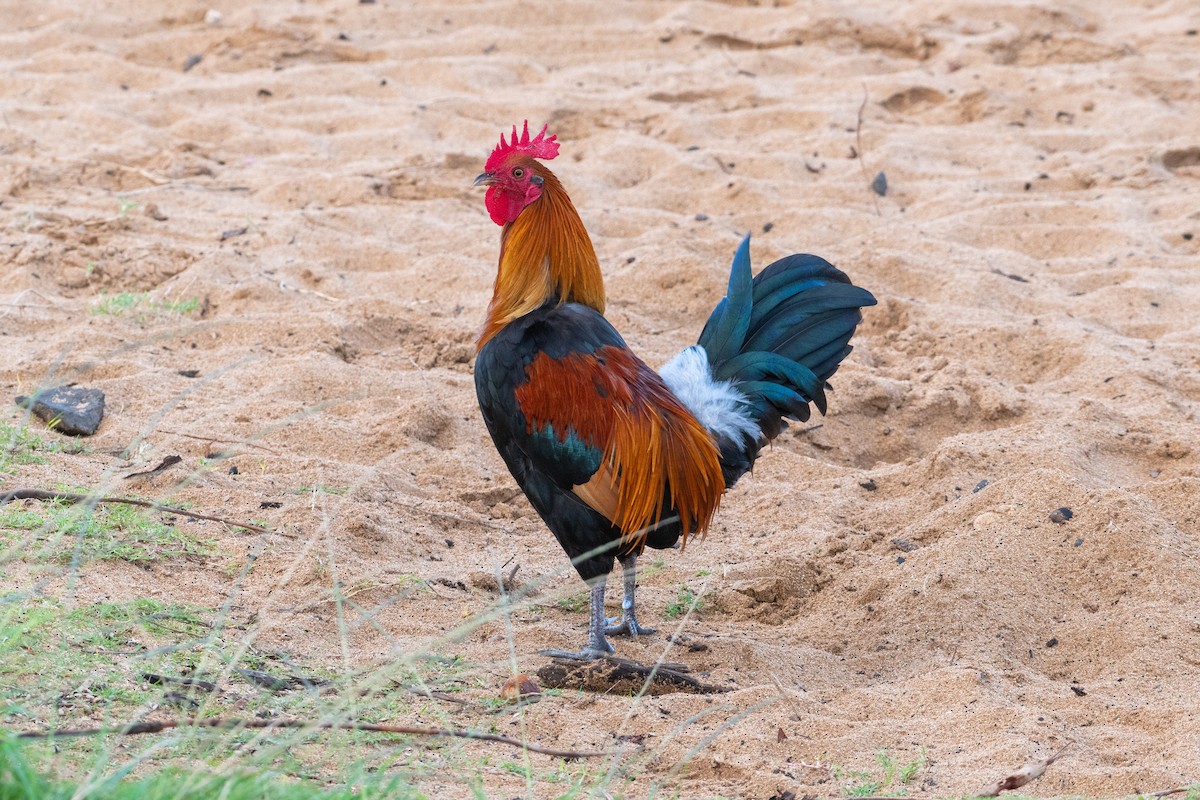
x=654 y=452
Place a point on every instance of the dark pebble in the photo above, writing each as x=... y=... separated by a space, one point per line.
x=701 y=217
x=869 y=484
x=234 y=470
x=69 y=409
x=980 y=486
x=192 y=61
x=189 y=373
x=879 y=185
x=1078 y=690
x=768 y=226
x=1187 y=237
x=900 y=559
x=1052 y=643
x=1079 y=542
x=449 y=543
x=270 y=504
x=1061 y=515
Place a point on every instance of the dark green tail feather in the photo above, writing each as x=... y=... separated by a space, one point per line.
x=781 y=335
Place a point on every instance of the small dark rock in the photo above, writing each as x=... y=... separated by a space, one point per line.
x=900 y=559
x=234 y=470
x=231 y=233
x=701 y=217
x=697 y=647
x=980 y=486
x=265 y=93
x=869 y=484
x=1061 y=515
x=1187 y=237
x=879 y=185
x=1079 y=542
x=192 y=61
x=189 y=373
x=69 y=409
x=270 y=504
x=767 y=226
x=1052 y=643
x=449 y=542
x=1078 y=690
x=904 y=545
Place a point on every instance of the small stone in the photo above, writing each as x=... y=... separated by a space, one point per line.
x=1052 y=643
x=980 y=486
x=519 y=686
x=768 y=226
x=701 y=217
x=879 y=185
x=900 y=559
x=1061 y=515
x=869 y=484
x=1187 y=237
x=1079 y=692
x=234 y=470
x=68 y=409
x=1079 y=542
x=192 y=61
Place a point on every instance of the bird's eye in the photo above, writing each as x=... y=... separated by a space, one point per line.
x=518 y=172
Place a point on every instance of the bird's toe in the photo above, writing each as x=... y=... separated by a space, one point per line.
x=628 y=627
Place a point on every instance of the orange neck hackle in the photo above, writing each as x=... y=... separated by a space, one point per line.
x=546 y=256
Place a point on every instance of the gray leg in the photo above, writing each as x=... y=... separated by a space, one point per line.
x=597 y=646
x=628 y=625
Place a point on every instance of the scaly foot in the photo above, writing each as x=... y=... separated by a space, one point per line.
x=586 y=654
x=628 y=626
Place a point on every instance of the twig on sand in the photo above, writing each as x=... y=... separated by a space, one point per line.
x=1176 y=790
x=1026 y=774
x=214 y=440
x=241 y=724
x=859 y=148
x=68 y=497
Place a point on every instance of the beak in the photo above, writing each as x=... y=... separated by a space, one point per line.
x=484 y=179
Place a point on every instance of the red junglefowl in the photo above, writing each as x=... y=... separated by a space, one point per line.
x=614 y=456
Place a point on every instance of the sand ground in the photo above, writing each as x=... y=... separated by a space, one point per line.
x=888 y=578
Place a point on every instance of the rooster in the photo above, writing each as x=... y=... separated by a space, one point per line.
x=614 y=456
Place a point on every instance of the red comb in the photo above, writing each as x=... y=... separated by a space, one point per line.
x=541 y=146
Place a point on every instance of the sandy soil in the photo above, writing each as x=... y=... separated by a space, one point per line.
x=888 y=578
